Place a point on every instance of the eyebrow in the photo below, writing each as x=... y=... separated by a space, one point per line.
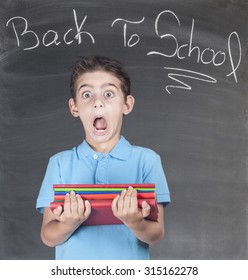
x=91 y=86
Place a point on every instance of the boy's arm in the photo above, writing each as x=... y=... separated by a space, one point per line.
x=125 y=207
x=57 y=226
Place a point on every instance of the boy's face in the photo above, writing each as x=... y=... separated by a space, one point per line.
x=100 y=104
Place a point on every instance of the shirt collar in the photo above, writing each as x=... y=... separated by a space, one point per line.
x=121 y=150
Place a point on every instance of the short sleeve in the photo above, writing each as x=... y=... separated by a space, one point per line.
x=51 y=177
x=155 y=174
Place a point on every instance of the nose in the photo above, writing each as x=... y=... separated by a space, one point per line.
x=98 y=103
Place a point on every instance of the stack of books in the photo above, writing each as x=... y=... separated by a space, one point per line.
x=101 y=196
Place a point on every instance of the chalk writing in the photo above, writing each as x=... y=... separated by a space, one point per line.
x=172 y=46
x=234 y=68
x=218 y=58
x=51 y=37
x=190 y=75
x=134 y=37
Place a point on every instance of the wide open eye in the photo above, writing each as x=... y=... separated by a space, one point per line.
x=86 y=94
x=108 y=94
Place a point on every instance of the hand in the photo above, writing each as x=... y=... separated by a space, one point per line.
x=125 y=207
x=76 y=210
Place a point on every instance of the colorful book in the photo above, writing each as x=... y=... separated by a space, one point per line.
x=101 y=196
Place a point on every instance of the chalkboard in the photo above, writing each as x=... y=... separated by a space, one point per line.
x=188 y=64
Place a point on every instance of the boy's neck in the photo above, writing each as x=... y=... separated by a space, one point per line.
x=105 y=147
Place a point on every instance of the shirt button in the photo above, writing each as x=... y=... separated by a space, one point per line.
x=95 y=156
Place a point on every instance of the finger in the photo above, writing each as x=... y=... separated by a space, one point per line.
x=80 y=205
x=58 y=211
x=120 y=202
x=115 y=203
x=133 y=199
x=67 y=204
x=146 y=209
x=127 y=198
x=87 y=209
x=74 y=203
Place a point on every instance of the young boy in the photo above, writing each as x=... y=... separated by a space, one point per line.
x=100 y=98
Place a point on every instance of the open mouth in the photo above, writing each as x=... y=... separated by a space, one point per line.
x=100 y=124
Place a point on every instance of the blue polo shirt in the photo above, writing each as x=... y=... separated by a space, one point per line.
x=125 y=164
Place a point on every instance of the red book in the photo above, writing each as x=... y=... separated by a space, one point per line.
x=101 y=212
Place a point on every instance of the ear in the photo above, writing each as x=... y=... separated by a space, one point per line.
x=128 y=106
x=73 y=108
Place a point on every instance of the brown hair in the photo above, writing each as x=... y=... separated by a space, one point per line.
x=94 y=63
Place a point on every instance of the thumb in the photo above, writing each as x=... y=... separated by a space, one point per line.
x=146 y=209
x=57 y=211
